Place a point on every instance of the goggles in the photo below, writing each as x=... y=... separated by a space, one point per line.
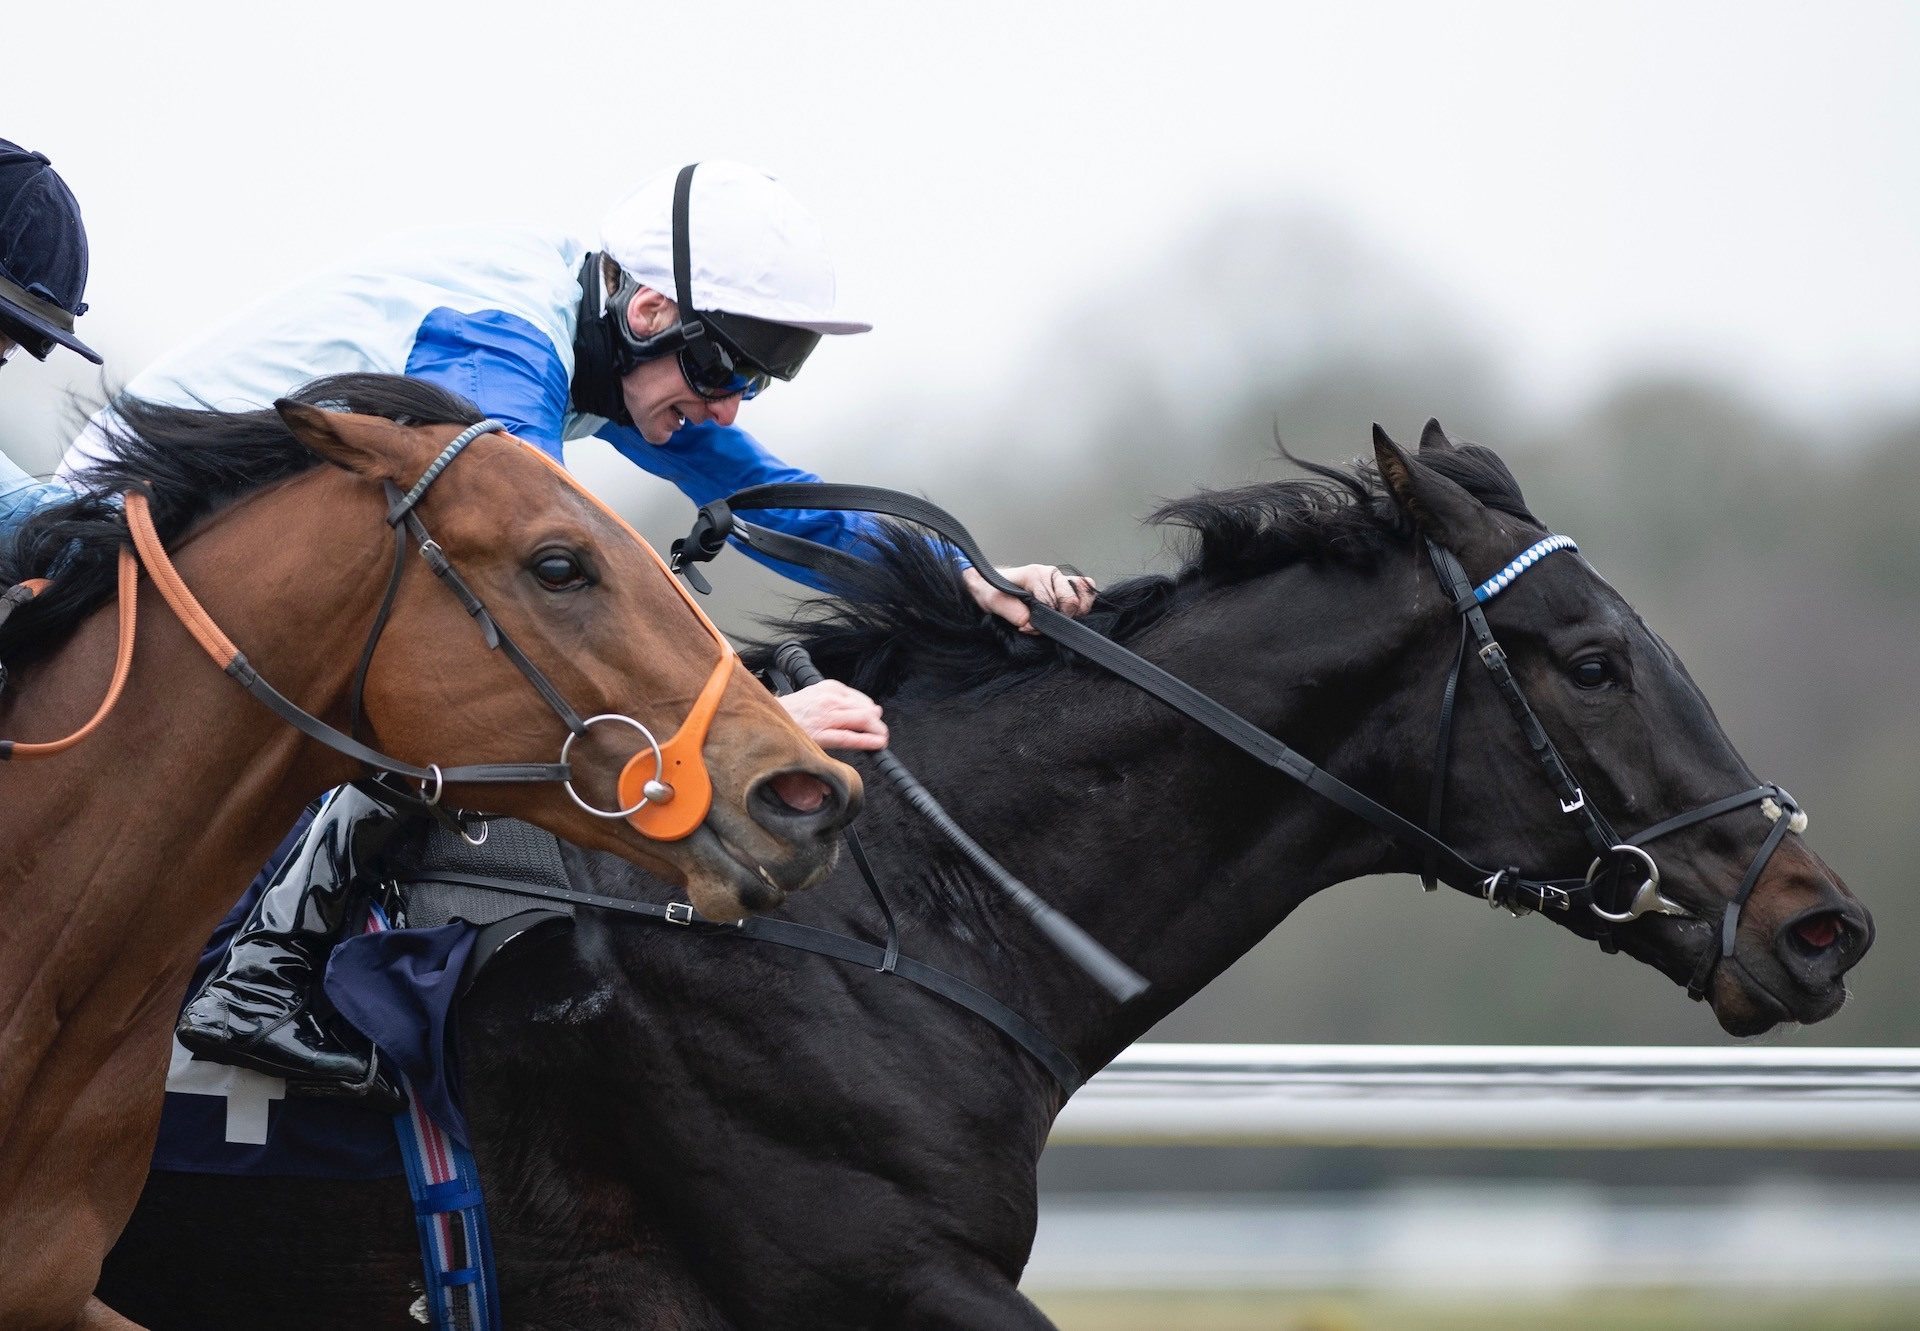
x=724 y=355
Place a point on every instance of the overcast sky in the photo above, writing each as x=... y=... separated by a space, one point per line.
x=1728 y=187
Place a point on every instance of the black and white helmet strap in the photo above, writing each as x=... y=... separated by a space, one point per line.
x=682 y=252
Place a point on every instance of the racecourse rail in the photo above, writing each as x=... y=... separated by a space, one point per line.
x=1499 y=1096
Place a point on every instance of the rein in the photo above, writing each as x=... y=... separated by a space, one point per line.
x=647 y=796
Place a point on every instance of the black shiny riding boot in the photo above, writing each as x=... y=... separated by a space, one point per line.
x=258 y=1009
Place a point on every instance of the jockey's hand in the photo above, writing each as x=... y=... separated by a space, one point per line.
x=1069 y=593
x=837 y=717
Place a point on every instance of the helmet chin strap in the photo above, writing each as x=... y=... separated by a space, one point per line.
x=600 y=357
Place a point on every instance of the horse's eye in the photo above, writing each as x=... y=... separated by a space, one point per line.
x=559 y=570
x=1593 y=672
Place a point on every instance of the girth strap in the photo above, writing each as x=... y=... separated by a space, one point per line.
x=807 y=938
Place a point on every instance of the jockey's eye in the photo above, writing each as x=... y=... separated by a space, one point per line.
x=559 y=570
x=1593 y=672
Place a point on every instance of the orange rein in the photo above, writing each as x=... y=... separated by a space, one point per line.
x=167 y=579
x=122 y=665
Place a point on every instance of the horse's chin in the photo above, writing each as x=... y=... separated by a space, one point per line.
x=1745 y=1018
x=1675 y=946
x=723 y=884
x=726 y=902
x=1745 y=1004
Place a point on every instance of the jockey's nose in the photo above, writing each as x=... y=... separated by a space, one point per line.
x=724 y=410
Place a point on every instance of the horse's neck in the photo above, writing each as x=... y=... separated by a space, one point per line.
x=1176 y=851
x=188 y=782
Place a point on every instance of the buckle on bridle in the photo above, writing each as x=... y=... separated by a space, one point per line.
x=679 y=912
x=1493 y=655
x=1491 y=889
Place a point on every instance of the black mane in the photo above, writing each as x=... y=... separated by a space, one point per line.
x=906 y=622
x=192 y=462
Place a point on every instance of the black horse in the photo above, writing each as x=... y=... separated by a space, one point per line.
x=687 y=1130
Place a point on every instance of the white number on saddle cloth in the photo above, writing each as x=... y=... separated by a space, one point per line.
x=247 y=1092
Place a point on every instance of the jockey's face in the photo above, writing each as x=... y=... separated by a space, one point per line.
x=657 y=394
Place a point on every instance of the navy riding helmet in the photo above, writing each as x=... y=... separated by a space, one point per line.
x=43 y=255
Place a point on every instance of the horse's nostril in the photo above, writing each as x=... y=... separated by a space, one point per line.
x=1818 y=932
x=800 y=791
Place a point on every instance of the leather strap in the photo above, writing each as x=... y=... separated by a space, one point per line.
x=807 y=938
x=129 y=593
x=1437 y=794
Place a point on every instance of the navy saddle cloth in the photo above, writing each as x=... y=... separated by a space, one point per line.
x=399 y=987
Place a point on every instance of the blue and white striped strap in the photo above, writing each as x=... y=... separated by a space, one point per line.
x=1523 y=561
x=462 y=1292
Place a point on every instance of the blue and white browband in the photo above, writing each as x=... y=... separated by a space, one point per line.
x=1523 y=561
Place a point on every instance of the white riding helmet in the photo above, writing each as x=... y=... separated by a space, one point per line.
x=754 y=249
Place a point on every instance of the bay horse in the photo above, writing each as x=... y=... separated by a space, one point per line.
x=118 y=855
x=686 y=1129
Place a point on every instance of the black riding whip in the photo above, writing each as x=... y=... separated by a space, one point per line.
x=1105 y=969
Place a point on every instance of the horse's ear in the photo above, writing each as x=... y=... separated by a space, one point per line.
x=370 y=445
x=1439 y=508
x=1435 y=439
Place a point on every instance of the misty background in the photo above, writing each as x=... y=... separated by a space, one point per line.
x=1660 y=256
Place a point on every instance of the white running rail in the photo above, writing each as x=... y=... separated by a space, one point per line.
x=1499 y=1095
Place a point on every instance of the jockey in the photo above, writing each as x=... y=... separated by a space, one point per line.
x=43 y=275
x=707 y=284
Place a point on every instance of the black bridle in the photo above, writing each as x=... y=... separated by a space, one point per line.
x=1508 y=887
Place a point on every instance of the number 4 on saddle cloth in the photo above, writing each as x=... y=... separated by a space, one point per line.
x=397 y=986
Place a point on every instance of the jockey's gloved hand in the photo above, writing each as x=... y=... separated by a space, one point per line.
x=836 y=716
x=1070 y=593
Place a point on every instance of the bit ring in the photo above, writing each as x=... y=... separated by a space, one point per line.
x=659 y=767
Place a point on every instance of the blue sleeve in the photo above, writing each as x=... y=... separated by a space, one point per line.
x=710 y=462
x=502 y=364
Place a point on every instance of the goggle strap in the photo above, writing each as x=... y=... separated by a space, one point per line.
x=682 y=252
x=692 y=328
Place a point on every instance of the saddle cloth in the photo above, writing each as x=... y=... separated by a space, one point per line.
x=398 y=987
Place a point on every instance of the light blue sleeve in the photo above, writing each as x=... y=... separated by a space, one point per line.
x=710 y=462
x=21 y=496
x=500 y=363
